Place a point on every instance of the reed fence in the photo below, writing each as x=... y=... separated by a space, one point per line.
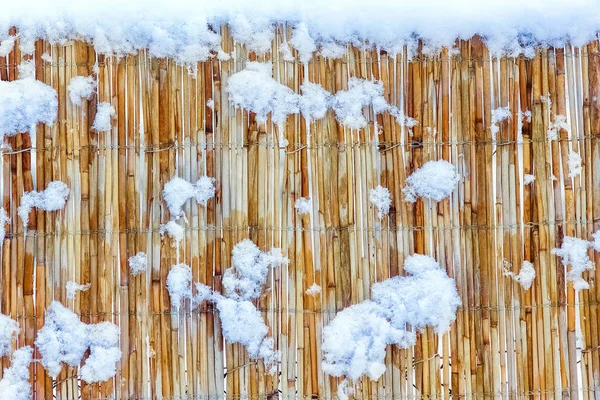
x=506 y=342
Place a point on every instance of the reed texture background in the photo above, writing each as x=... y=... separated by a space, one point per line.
x=506 y=342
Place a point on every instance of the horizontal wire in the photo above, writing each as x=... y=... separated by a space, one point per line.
x=233 y=228
x=212 y=310
x=381 y=145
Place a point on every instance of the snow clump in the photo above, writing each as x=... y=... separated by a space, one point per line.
x=65 y=339
x=24 y=103
x=53 y=198
x=381 y=198
x=138 y=263
x=354 y=342
x=177 y=191
x=81 y=87
x=435 y=180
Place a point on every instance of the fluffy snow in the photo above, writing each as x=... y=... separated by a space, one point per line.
x=8 y=329
x=314 y=101
x=596 y=242
x=303 y=42
x=179 y=284
x=174 y=230
x=525 y=276
x=242 y=323
x=138 y=263
x=81 y=87
x=244 y=280
x=15 y=381
x=303 y=205
x=499 y=115
x=104 y=114
x=348 y=104
x=314 y=290
x=53 y=198
x=24 y=103
x=574 y=164
x=434 y=180
x=26 y=69
x=180 y=28
x=4 y=219
x=65 y=339
x=574 y=252
x=6 y=46
x=560 y=122
x=381 y=198
x=177 y=191
x=254 y=89
x=74 y=287
x=354 y=342
x=528 y=179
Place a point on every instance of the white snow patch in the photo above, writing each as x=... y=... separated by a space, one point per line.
x=174 y=230
x=74 y=287
x=574 y=252
x=254 y=89
x=103 y=117
x=6 y=46
x=314 y=290
x=26 y=69
x=303 y=205
x=303 y=42
x=4 y=219
x=81 y=87
x=250 y=266
x=499 y=115
x=24 y=103
x=179 y=284
x=560 y=122
x=53 y=198
x=64 y=338
x=314 y=101
x=434 y=180
x=15 y=383
x=177 y=191
x=333 y=50
x=255 y=32
x=210 y=103
x=242 y=323
x=381 y=198
x=574 y=164
x=354 y=342
x=8 y=329
x=525 y=276
x=528 y=179
x=138 y=263
x=46 y=57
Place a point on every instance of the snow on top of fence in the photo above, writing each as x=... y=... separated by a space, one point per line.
x=182 y=28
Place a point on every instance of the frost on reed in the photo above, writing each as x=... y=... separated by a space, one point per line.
x=8 y=329
x=24 y=103
x=53 y=198
x=178 y=191
x=174 y=231
x=381 y=198
x=81 y=87
x=435 y=180
x=15 y=381
x=65 y=339
x=138 y=263
x=574 y=162
x=104 y=114
x=314 y=290
x=499 y=115
x=354 y=342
